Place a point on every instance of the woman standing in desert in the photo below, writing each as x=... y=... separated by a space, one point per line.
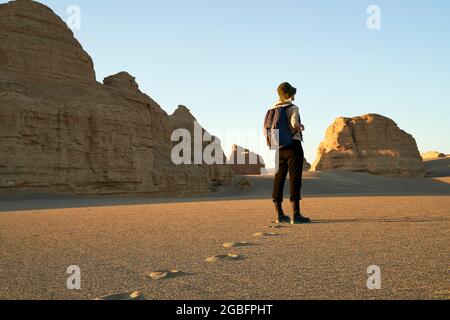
x=284 y=116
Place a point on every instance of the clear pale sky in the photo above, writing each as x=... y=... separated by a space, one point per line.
x=224 y=59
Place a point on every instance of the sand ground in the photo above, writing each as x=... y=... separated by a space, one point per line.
x=117 y=244
x=115 y=247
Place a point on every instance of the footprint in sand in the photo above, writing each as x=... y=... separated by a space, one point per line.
x=132 y=295
x=442 y=294
x=224 y=257
x=276 y=226
x=265 y=234
x=236 y=244
x=166 y=274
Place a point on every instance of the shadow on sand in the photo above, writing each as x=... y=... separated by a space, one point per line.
x=381 y=220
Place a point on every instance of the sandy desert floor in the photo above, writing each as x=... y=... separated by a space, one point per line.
x=117 y=244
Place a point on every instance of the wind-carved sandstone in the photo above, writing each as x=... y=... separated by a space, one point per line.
x=62 y=131
x=433 y=155
x=371 y=143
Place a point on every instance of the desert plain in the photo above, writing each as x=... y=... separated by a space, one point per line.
x=400 y=225
x=88 y=185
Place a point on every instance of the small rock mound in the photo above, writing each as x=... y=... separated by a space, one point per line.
x=433 y=155
x=371 y=143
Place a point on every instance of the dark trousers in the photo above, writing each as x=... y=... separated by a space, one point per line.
x=290 y=160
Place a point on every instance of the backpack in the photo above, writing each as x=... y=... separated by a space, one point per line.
x=277 y=129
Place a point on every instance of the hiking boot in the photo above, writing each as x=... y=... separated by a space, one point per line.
x=298 y=218
x=281 y=217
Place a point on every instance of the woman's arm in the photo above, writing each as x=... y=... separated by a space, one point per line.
x=295 y=120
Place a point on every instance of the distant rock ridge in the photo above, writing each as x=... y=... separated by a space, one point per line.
x=433 y=155
x=370 y=143
x=62 y=131
x=220 y=174
x=245 y=162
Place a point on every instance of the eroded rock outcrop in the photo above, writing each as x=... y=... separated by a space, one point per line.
x=306 y=165
x=219 y=172
x=61 y=130
x=36 y=43
x=245 y=162
x=370 y=143
x=433 y=155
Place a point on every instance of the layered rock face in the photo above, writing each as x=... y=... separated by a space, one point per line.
x=245 y=162
x=36 y=43
x=61 y=130
x=370 y=143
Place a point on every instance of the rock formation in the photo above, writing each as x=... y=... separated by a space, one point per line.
x=432 y=155
x=219 y=172
x=370 y=143
x=245 y=162
x=61 y=130
x=306 y=165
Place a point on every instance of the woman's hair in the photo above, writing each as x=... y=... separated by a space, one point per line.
x=286 y=91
